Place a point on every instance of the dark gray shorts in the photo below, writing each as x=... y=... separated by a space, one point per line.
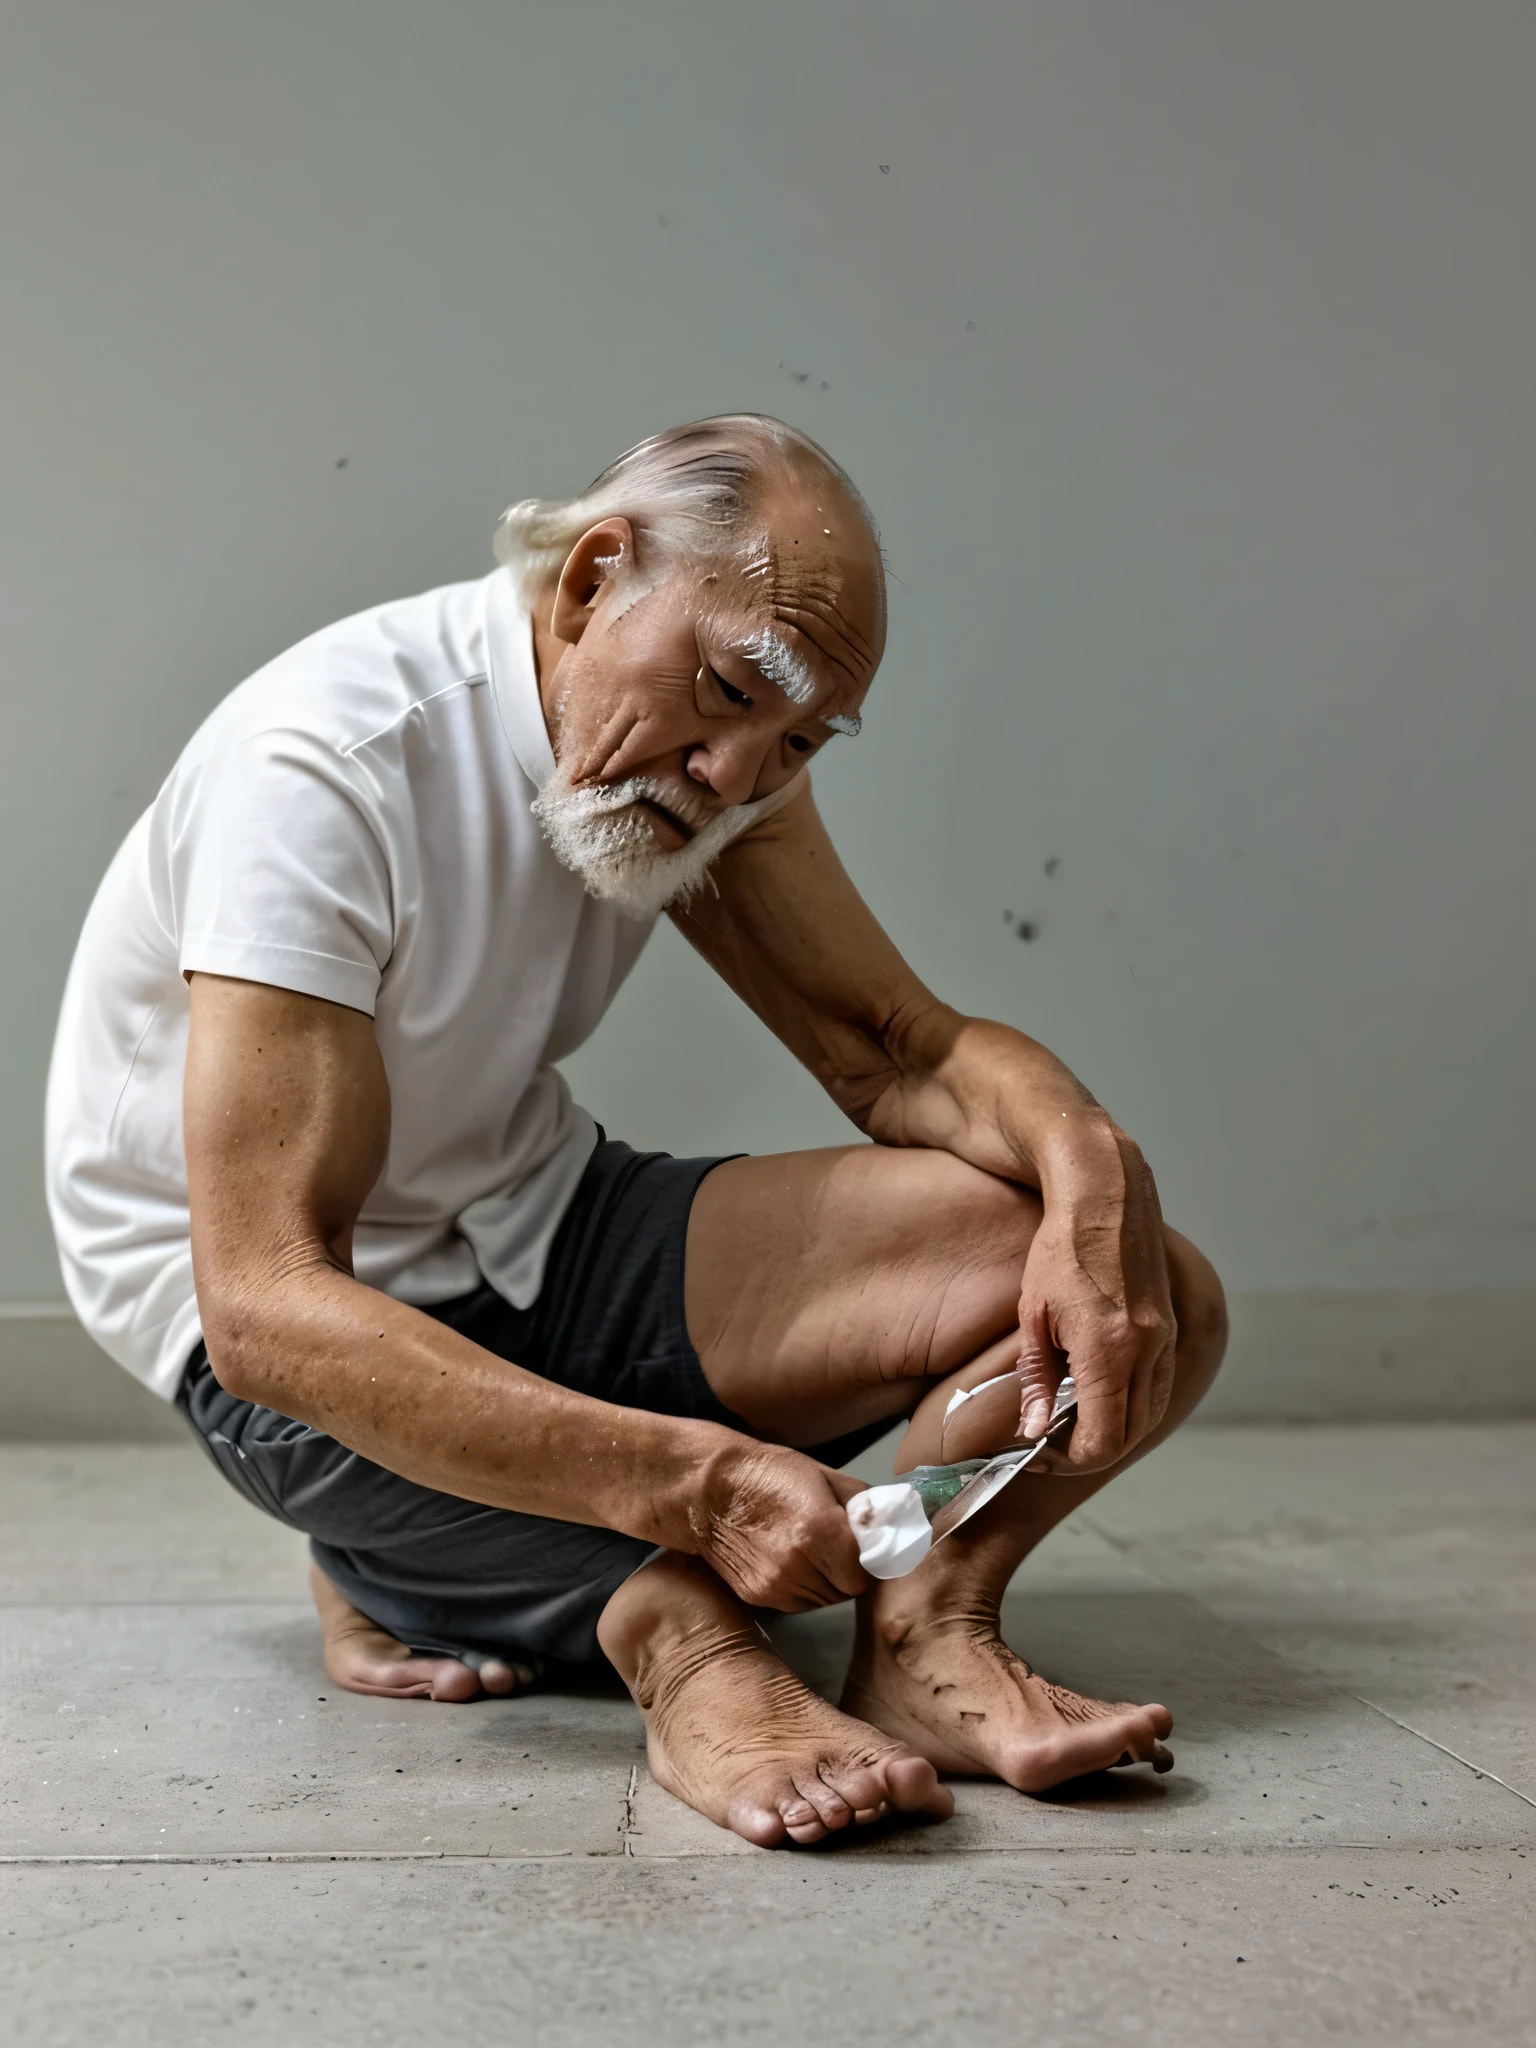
x=450 y=1575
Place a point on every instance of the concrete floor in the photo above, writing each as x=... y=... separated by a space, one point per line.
x=200 y=1838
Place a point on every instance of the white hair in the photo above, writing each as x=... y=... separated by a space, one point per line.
x=694 y=491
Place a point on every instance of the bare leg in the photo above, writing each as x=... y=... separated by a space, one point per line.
x=733 y=1732
x=930 y=1664
x=361 y=1657
x=830 y=1289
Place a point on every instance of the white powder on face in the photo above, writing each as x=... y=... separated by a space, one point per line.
x=600 y=834
x=781 y=665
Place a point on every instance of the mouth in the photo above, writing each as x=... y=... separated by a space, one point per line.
x=674 y=831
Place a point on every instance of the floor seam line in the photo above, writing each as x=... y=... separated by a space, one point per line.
x=1455 y=1755
x=488 y=1856
x=222 y=1856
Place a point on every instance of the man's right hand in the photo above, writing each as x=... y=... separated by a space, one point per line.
x=772 y=1523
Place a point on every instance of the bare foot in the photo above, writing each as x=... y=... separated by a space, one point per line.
x=361 y=1657
x=734 y=1733
x=953 y=1690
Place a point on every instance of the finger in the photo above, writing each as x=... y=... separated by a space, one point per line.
x=1054 y=1461
x=1098 y=1436
x=1041 y=1370
x=1138 y=1399
x=842 y=1569
x=805 y=1583
x=788 y=1596
x=837 y=1558
x=1164 y=1372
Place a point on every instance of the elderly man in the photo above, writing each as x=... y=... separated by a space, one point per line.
x=535 y=1396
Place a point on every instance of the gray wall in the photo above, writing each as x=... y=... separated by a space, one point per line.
x=1184 y=348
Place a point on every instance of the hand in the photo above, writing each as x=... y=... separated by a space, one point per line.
x=772 y=1523
x=1096 y=1301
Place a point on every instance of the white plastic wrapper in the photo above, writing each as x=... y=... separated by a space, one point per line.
x=893 y=1525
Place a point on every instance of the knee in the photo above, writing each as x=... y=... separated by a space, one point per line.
x=1200 y=1308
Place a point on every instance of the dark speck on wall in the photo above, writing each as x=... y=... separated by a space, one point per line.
x=342 y=461
x=1053 y=864
x=1025 y=930
x=1007 y=917
x=800 y=376
x=970 y=326
x=885 y=170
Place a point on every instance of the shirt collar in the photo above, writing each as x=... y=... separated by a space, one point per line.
x=515 y=679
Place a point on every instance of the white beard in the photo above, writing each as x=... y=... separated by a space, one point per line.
x=597 y=832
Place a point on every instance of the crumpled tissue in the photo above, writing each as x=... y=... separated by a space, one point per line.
x=891 y=1525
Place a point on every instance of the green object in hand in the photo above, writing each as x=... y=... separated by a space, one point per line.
x=937 y=1485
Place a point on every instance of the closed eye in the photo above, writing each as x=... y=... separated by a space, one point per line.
x=729 y=691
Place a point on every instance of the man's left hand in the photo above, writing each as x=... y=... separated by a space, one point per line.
x=1095 y=1301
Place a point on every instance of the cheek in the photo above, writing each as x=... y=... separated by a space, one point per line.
x=656 y=714
x=621 y=732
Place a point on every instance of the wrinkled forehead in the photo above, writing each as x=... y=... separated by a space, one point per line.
x=807 y=611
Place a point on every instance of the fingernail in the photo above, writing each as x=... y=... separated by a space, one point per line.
x=1037 y=1419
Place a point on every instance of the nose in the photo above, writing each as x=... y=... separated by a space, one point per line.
x=731 y=766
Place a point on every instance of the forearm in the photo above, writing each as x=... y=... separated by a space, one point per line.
x=413 y=1395
x=1000 y=1100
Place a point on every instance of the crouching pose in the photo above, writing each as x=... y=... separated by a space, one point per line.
x=534 y=1396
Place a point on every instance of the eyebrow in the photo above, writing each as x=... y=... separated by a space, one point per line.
x=780 y=664
x=791 y=673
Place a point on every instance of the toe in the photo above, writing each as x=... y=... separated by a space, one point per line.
x=832 y=1809
x=1152 y=1724
x=762 y=1825
x=858 y=1789
x=915 y=1788
x=454 y=1682
x=1141 y=1728
x=498 y=1677
x=802 y=1823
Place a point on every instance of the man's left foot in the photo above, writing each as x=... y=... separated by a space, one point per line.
x=951 y=1689
x=362 y=1657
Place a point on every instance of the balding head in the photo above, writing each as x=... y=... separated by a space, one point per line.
x=712 y=490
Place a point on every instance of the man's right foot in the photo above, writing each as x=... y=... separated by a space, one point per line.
x=733 y=1733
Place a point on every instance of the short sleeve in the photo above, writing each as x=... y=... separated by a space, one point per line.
x=279 y=872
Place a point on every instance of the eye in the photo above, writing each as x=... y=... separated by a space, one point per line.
x=708 y=685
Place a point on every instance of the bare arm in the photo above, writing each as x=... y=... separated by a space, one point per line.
x=287 y=1128
x=791 y=934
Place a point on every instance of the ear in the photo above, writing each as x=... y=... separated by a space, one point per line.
x=604 y=552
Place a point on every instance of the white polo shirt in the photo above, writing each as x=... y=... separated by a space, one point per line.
x=352 y=822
